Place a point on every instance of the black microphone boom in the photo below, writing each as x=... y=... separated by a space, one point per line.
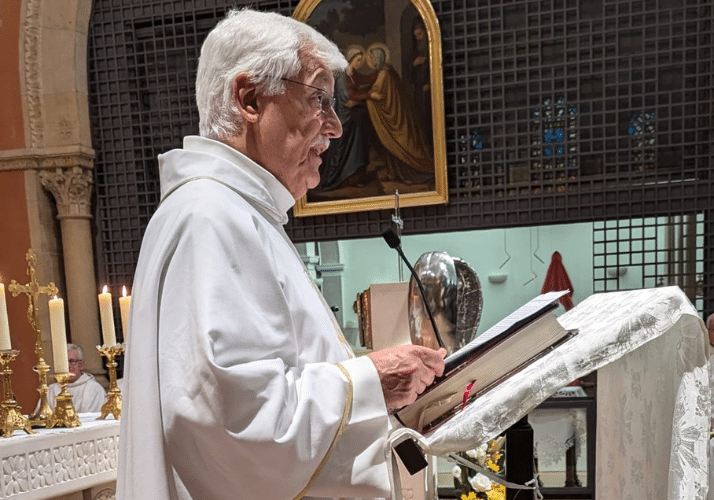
x=393 y=240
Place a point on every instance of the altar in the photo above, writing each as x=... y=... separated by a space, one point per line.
x=651 y=350
x=61 y=463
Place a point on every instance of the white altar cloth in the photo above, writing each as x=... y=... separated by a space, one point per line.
x=653 y=394
x=59 y=461
x=556 y=430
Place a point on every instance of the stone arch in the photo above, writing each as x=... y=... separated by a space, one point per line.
x=53 y=59
x=58 y=157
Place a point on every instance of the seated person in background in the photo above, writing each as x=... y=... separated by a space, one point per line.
x=87 y=394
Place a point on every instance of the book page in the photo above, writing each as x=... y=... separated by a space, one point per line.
x=532 y=309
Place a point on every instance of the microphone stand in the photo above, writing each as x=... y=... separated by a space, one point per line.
x=393 y=241
x=399 y=223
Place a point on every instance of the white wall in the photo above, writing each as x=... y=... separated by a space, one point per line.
x=370 y=261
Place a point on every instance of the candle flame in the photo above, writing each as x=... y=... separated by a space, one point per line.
x=123 y=291
x=105 y=289
x=55 y=297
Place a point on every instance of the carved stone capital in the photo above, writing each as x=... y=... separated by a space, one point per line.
x=65 y=171
x=47 y=158
x=72 y=189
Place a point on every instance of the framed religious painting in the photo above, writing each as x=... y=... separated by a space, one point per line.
x=390 y=103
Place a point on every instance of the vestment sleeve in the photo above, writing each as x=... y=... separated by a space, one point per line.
x=366 y=420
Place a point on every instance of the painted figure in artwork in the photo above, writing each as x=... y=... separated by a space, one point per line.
x=407 y=154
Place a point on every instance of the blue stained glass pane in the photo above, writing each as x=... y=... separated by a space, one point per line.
x=554 y=120
x=476 y=140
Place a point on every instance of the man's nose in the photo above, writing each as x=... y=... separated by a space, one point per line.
x=332 y=127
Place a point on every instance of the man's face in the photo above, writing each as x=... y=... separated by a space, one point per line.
x=293 y=131
x=76 y=365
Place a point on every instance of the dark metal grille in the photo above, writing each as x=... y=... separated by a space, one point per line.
x=650 y=252
x=556 y=111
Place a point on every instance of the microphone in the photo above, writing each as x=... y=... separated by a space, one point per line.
x=393 y=240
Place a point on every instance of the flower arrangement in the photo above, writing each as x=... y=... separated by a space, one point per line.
x=474 y=485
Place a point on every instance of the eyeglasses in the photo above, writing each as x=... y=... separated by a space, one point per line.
x=74 y=361
x=326 y=102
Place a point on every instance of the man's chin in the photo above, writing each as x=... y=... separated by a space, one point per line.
x=313 y=183
x=310 y=184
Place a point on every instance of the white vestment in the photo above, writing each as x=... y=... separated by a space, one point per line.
x=87 y=394
x=238 y=382
x=710 y=495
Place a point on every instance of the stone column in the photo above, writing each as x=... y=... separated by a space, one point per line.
x=72 y=188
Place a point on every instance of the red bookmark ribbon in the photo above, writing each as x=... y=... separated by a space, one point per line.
x=466 y=395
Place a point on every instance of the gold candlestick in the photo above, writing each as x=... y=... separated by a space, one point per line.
x=64 y=414
x=33 y=291
x=113 y=403
x=44 y=412
x=11 y=417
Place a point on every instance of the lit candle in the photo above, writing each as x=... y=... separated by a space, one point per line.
x=4 y=325
x=107 y=316
x=124 y=303
x=59 y=335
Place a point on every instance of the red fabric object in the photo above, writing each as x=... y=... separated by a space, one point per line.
x=556 y=279
x=467 y=392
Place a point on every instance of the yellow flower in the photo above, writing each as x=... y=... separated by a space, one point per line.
x=470 y=496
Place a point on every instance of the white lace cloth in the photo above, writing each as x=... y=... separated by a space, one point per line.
x=556 y=430
x=653 y=394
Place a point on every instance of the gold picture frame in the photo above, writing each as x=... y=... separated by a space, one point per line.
x=390 y=103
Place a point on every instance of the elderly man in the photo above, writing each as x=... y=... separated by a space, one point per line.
x=87 y=394
x=239 y=383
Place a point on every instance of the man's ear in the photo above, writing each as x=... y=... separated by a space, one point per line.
x=245 y=97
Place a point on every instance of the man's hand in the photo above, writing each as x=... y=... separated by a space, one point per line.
x=405 y=371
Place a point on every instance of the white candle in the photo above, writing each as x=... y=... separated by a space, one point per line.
x=124 y=304
x=107 y=316
x=59 y=335
x=4 y=325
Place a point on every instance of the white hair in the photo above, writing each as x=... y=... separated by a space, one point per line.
x=264 y=45
x=75 y=347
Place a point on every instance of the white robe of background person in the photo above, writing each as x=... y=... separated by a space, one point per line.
x=237 y=377
x=88 y=395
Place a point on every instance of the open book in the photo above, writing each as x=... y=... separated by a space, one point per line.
x=514 y=342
